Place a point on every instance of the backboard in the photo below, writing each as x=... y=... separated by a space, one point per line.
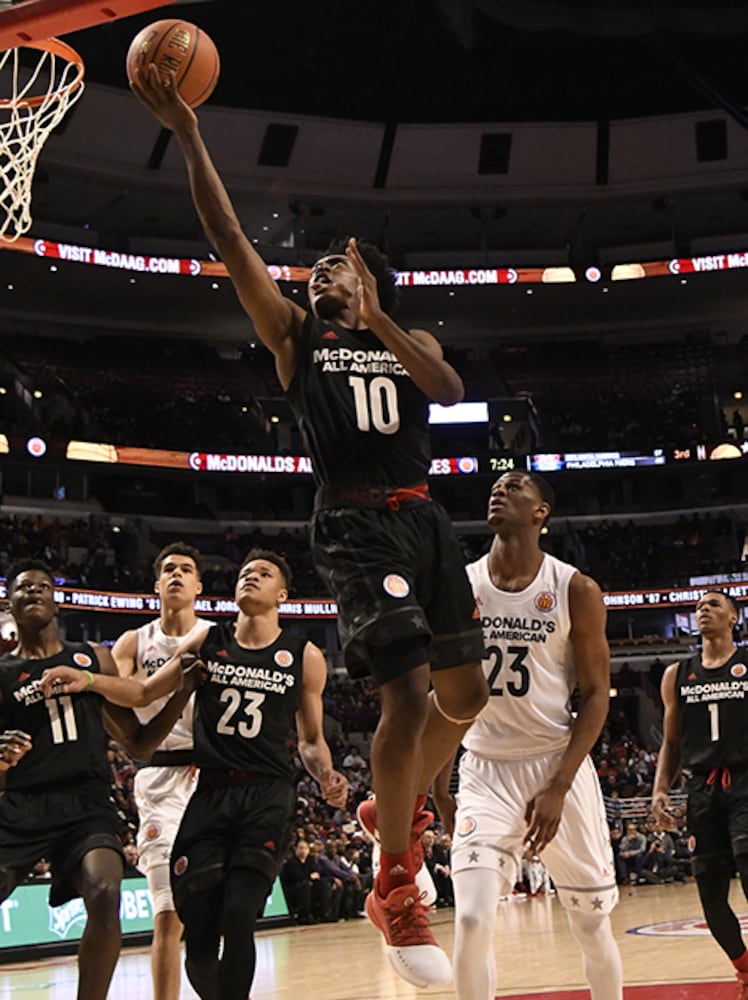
x=31 y=20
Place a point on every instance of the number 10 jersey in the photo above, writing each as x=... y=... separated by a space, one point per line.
x=529 y=663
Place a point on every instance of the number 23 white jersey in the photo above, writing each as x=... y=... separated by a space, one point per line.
x=529 y=665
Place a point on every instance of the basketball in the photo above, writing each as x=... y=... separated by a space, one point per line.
x=182 y=47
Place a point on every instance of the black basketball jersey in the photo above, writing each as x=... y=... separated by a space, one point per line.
x=363 y=419
x=713 y=706
x=246 y=708
x=69 y=744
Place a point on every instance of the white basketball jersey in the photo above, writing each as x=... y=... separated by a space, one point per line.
x=529 y=666
x=154 y=649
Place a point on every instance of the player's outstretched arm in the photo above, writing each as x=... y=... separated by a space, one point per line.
x=141 y=740
x=313 y=749
x=592 y=659
x=125 y=691
x=668 y=760
x=277 y=320
x=419 y=352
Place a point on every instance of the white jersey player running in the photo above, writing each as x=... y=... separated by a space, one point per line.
x=164 y=786
x=526 y=777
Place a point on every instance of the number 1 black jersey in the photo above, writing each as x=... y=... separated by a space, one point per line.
x=713 y=712
x=363 y=419
x=246 y=708
x=69 y=745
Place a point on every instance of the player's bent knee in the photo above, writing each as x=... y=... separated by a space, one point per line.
x=472 y=923
x=465 y=710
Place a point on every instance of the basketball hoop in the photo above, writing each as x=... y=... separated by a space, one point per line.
x=39 y=98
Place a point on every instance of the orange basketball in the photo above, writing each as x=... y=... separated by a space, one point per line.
x=182 y=47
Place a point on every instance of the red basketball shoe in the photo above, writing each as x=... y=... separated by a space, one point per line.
x=410 y=945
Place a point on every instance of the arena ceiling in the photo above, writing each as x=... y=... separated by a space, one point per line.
x=462 y=60
x=400 y=61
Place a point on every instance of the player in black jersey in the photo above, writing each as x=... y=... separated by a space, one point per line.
x=705 y=733
x=259 y=679
x=57 y=802
x=360 y=387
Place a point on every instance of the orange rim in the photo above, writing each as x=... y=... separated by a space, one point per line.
x=56 y=48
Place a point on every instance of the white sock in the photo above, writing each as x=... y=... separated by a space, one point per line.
x=600 y=955
x=476 y=897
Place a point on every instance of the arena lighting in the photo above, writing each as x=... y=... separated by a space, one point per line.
x=558 y=276
x=36 y=447
x=627 y=272
x=460 y=413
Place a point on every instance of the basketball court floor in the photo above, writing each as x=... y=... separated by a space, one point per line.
x=667 y=955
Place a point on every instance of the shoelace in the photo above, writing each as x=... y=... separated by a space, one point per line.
x=412 y=923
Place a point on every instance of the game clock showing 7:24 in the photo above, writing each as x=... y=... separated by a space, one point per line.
x=505 y=461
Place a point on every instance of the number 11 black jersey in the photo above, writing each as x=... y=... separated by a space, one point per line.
x=69 y=745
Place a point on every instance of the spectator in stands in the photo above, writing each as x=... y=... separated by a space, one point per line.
x=303 y=886
x=351 y=901
x=657 y=865
x=332 y=885
x=631 y=853
x=436 y=856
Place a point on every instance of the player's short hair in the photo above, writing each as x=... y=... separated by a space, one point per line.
x=546 y=491
x=730 y=600
x=272 y=557
x=379 y=266
x=23 y=566
x=178 y=549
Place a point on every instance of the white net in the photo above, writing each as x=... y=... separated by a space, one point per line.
x=34 y=97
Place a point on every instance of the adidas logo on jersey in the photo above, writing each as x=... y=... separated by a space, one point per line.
x=330 y=335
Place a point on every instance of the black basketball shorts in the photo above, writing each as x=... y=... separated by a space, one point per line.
x=718 y=813
x=232 y=826
x=397 y=575
x=60 y=825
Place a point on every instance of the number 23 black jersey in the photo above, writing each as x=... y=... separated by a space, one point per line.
x=712 y=704
x=363 y=419
x=69 y=745
x=245 y=710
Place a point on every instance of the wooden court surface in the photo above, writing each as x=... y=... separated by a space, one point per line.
x=535 y=954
